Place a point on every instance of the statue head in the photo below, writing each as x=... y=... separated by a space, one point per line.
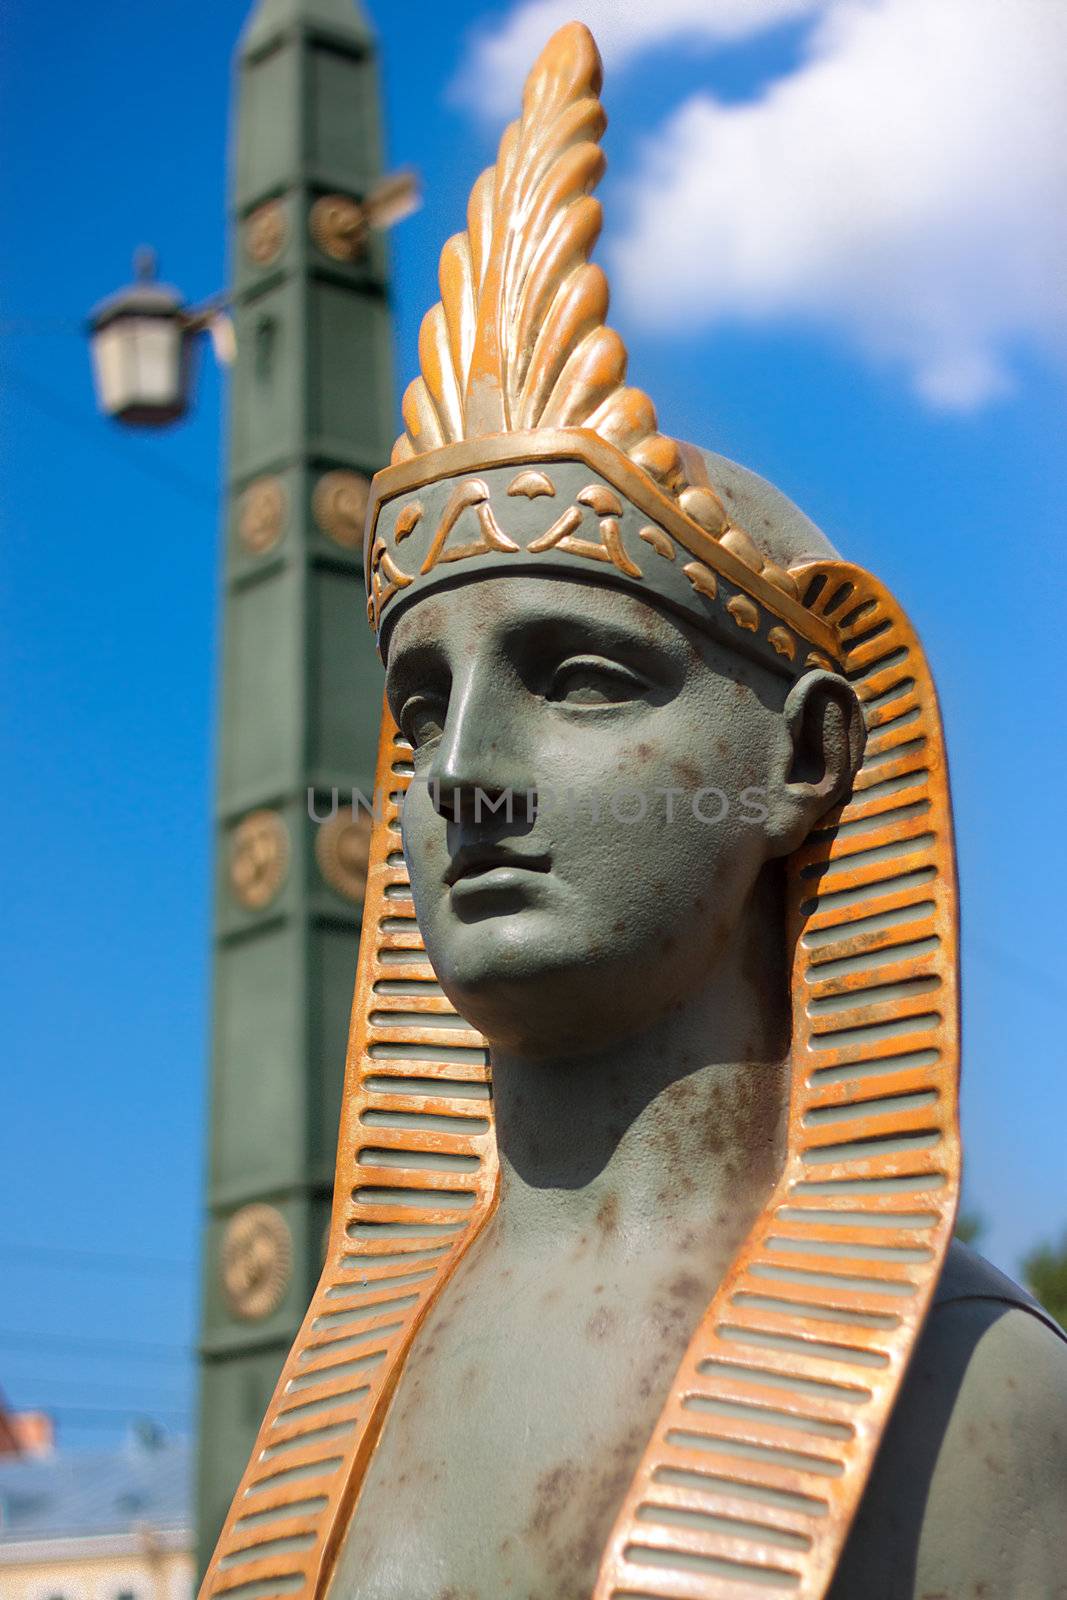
x=620 y=711
x=645 y=718
x=601 y=788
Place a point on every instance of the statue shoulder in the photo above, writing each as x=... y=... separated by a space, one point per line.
x=968 y=1490
x=967 y=1275
x=1010 y=1359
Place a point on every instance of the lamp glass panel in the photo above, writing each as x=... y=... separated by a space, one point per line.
x=111 y=368
x=157 y=348
x=139 y=364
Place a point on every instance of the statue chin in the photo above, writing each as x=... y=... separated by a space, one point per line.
x=531 y=993
x=538 y=974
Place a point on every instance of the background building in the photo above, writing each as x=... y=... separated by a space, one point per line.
x=99 y=1525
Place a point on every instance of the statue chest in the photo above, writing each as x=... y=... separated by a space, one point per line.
x=518 y=1423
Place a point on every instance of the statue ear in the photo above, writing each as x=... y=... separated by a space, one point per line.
x=826 y=735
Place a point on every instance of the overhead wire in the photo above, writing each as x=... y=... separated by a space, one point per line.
x=67 y=1414
x=95 y=1260
x=58 y=409
x=131 y=1349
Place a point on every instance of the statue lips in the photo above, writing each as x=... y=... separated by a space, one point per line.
x=479 y=869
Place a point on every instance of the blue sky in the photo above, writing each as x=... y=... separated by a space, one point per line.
x=920 y=426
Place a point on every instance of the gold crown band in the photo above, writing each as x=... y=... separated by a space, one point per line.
x=568 y=503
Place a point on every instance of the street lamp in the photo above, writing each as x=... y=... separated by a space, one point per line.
x=143 y=351
x=142 y=340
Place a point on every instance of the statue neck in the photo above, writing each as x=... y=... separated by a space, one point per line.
x=681 y=1127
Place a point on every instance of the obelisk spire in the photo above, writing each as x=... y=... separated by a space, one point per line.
x=312 y=417
x=269 y=17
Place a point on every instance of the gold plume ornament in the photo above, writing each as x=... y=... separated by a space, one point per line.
x=519 y=339
x=519 y=368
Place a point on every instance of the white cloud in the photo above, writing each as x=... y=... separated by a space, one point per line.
x=491 y=78
x=905 y=186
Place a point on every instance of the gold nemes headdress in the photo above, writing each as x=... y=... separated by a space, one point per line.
x=776 y=1411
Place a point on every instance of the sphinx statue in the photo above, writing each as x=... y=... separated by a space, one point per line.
x=640 y=1280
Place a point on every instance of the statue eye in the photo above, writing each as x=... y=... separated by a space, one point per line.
x=422 y=721
x=593 y=682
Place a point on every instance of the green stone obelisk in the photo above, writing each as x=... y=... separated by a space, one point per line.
x=311 y=418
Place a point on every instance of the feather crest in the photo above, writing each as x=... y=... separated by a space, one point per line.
x=519 y=339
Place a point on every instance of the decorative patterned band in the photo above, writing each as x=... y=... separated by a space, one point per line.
x=568 y=504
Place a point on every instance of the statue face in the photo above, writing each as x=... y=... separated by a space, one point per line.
x=595 y=794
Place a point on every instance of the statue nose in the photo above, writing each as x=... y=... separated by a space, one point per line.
x=477 y=771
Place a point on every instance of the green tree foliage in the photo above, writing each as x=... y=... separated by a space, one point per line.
x=1045 y=1270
